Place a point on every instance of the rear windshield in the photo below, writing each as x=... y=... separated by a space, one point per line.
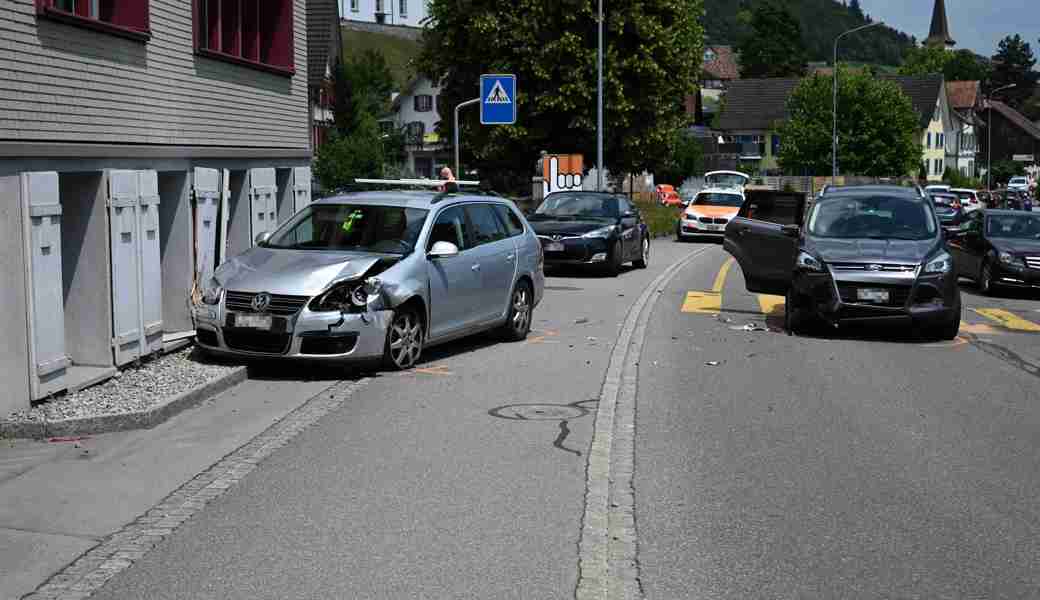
x=726 y=179
x=1023 y=227
x=876 y=217
x=713 y=199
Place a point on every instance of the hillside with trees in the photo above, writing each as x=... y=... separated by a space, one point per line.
x=728 y=22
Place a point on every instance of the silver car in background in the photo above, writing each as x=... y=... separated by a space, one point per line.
x=377 y=275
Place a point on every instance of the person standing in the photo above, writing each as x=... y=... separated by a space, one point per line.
x=449 y=185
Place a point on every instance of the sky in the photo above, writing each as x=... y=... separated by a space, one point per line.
x=977 y=25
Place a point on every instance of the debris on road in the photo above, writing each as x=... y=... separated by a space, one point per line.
x=751 y=327
x=581 y=321
x=76 y=438
x=712 y=363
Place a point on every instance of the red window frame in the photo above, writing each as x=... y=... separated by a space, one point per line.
x=124 y=18
x=251 y=33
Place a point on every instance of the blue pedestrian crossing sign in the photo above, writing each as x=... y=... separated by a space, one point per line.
x=497 y=99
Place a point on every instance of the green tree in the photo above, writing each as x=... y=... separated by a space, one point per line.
x=652 y=61
x=856 y=10
x=962 y=65
x=877 y=128
x=1013 y=64
x=343 y=158
x=1004 y=170
x=773 y=47
x=362 y=86
x=685 y=161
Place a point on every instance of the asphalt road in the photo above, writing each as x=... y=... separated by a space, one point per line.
x=424 y=484
x=861 y=464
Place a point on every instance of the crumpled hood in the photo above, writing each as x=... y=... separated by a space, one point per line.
x=1017 y=247
x=567 y=227
x=868 y=251
x=293 y=272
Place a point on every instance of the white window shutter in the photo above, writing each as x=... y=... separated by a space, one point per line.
x=301 y=188
x=123 y=201
x=207 y=200
x=151 y=263
x=263 y=211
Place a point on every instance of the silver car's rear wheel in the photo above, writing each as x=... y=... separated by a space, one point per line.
x=404 y=341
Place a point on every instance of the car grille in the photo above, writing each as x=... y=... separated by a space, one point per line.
x=284 y=306
x=721 y=221
x=897 y=294
x=1033 y=262
x=264 y=342
x=328 y=345
x=705 y=219
x=885 y=268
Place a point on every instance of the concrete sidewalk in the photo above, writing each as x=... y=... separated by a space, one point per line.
x=59 y=499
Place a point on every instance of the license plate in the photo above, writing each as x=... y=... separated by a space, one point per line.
x=870 y=295
x=554 y=247
x=714 y=227
x=253 y=321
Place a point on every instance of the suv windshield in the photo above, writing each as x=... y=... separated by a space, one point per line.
x=578 y=205
x=877 y=217
x=359 y=227
x=713 y=199
x=1022 y=226
x=726 y=179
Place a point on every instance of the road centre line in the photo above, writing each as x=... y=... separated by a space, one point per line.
x=772 y=306
x=706 y=303
x=1008 y=319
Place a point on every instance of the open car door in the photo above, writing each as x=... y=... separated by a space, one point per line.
x=763 y=237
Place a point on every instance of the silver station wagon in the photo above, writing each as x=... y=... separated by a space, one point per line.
x=377 y=275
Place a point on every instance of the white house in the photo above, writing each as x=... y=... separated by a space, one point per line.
x=417 y=110
x=965 y=98
x=385 y=12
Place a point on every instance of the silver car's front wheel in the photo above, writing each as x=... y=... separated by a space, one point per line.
x=404 y=341
x=521 y=306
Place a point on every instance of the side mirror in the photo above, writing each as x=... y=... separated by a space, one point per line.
x=790 y=230
x=443 y=250
x=261 y=239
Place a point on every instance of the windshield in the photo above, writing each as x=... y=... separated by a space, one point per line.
x=1018 y=180
x=578 y=205
x=725 y=179
x=877 y=217
x=966 y=195
x=359 y=227
x=713 y=199
x=1021 y=227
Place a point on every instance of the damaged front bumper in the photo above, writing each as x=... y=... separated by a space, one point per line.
x=305 y=335
x=925 y=300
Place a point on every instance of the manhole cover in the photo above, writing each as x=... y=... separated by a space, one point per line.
x=539 y=412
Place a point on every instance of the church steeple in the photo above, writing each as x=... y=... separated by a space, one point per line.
x=940 y=32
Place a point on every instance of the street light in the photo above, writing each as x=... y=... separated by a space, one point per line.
x=989 y=133
x=599 y=104
x=834 y=131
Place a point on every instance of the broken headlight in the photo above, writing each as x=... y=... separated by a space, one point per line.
x=349 y=296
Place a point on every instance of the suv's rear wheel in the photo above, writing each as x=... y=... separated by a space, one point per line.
x=404 y=340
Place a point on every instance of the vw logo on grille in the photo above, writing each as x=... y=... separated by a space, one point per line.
x=557 y=238
x=875 y=268
x=261 y=301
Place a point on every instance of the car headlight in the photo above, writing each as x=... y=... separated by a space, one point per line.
x=349 y=296
x=809 y=262
x=212 y=292
x=603 y=232
x=1008 y=259
x=943 y=263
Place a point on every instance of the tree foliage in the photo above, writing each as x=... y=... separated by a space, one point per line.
x=685 y=160
x=344 y=158
x=1013 y=64
x=821 y=21
x=877 y=128
x=962 y=65
x=652 y=60
x=1004 y=170
x=773 y=46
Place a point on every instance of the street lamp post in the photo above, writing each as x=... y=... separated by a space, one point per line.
x=989 y=133
x=834 y=131
x=458 y=171
x=599 y=103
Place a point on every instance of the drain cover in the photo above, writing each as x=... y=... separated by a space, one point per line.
x=539 y=412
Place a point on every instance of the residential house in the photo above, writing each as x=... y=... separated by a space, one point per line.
x=755 y=107
x=1013 y=137
x=965 y=101
x=385 y=12
x=718 y=69
x=324 y=46
x=142 y=143
x=417 y=110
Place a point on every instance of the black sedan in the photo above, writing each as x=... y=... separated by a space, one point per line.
x=948 y=208
x=591 y=228
x=998 y=248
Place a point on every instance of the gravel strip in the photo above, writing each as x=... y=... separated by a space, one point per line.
x=133 y=389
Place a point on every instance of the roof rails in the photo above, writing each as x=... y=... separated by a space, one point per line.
x=414 y=182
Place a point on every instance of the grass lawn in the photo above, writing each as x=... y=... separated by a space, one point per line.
x=660 y=219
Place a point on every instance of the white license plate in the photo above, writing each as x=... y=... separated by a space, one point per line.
x=714 y=227
x=554 y=247
x=253 y=321
x=870 y=295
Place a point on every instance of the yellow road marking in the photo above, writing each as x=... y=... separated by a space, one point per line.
x=772 y=306
x=1008 y=320
x=540 y=339
x=720 y=279
x=708 y=303
x=437 y=370
x=979 y=329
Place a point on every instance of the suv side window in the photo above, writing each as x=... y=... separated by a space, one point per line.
x=450 y=227
x=624 y=206
x=486 y=228
x=508 y=218
x=778 y=209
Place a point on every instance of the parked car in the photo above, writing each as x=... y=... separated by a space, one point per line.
x=948 y=208
x=667 y=195
x=998 y=248
x=591 y=228
x=876 y=255
x=969 y=199
x=376 y=275
x=672 y=199
x=1018 y=184
x=721 y=179
x=709 y=213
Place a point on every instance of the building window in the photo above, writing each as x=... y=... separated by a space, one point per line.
x=126 y=18
x=929 y=139
x=354 y=5
x=942 y=141
x=423 y=103
x=239 y=31
x=414 y=133
x=776 y=145
x=404 y=8
x=709 y=55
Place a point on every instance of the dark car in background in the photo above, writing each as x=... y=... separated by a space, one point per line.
x=591 y=228
x=948 y=208
x=998 y=248
x=875 y=255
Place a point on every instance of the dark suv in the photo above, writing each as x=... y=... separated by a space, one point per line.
x=875 y=254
